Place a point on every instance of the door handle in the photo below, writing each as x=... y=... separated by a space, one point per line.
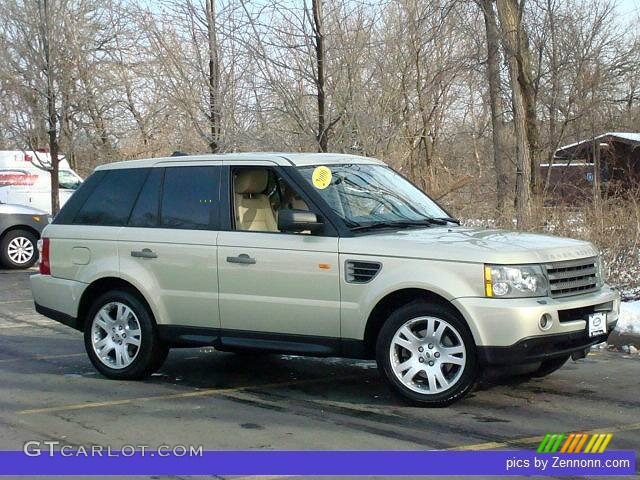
x=144 y=253
x=243 y=258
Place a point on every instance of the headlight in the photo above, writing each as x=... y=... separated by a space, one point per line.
x=514 y=281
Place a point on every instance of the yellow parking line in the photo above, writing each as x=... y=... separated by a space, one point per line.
x=537 y=439
x=192 y=394
x=42 y=357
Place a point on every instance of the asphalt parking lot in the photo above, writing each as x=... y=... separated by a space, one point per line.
x=50 y=391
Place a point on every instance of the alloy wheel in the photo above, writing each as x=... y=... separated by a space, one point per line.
x=116 y=335
x=20 y=250
x=427 y=355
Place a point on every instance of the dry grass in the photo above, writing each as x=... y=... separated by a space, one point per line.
x=613 y=225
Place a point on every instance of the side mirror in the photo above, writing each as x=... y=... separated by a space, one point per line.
x=296 y=221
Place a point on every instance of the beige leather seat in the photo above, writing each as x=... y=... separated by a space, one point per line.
x=253 y=209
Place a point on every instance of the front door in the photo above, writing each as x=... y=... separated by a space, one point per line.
x=272 y=282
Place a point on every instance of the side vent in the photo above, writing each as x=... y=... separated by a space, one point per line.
x=361 y=272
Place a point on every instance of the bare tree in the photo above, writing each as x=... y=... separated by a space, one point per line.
x=498 y=131
x=32 y=37
x=510 y=19
x=322 y=136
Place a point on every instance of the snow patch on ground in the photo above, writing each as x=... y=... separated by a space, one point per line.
x=629 y=321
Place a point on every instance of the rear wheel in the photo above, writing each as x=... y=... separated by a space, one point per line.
x=18 y=249
x=427 y=354
x=121 y=338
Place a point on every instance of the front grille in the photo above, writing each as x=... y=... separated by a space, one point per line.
x=361 y=272
x=573 y=314
x=572 y=277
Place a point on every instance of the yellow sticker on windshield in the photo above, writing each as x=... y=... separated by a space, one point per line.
x=321 y=177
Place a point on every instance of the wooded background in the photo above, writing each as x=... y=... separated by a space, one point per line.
x=465 y=97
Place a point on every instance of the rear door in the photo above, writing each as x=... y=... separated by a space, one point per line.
x=168 y=247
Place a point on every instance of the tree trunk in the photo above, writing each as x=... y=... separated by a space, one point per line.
x=493 y=77
x=52 y=114
x=597 y=181
x=323 y=134
x=509 y=23
x=214 y=78
x=525 y=72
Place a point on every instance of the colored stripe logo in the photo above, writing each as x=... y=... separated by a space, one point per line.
x=574 y=443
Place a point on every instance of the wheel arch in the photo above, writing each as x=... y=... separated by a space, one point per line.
x=394 y=300
x=105 y=284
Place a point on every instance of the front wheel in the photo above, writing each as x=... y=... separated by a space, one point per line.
x=121 y=339
x=427 y=354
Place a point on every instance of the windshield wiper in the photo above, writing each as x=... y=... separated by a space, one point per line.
x=448 y=219
x=423 y=222
x=401 y=224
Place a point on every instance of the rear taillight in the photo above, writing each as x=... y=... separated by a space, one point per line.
x=43 y=248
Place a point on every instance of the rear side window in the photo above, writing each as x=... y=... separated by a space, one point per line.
x=145 y=213
x=190 y=198
x=70 y=209
x=111 y=201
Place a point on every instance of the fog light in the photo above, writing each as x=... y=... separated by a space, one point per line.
x=545 y=322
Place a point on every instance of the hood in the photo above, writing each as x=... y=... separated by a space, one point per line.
x=475 y=245
x=14 y=209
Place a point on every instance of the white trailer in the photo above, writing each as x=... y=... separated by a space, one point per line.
x=23 y=182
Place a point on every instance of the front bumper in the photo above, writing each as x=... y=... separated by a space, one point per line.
x=538 y=349
x=509 y=328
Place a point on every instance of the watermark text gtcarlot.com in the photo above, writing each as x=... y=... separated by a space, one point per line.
x=36 y=448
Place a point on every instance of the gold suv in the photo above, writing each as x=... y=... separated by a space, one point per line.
x=311 y=254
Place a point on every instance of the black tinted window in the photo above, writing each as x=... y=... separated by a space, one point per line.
x=112 y=200
x=145 y=212
x=190 y=197
x=71 y=207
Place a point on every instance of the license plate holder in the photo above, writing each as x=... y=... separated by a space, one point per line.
x=597 y=324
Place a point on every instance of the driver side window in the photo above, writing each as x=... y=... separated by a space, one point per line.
x=258 y=196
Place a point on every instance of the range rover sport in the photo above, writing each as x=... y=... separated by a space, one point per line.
x=311 y=254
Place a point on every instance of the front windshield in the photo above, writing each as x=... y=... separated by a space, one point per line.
x=364 y=194
x=68 y=180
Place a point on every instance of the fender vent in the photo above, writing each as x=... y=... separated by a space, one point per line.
x=361 y=272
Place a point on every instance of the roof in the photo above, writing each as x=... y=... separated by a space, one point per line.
x=624 y=137
x=277 y=158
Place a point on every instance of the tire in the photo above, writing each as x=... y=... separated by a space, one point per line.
x=18 y=249
x=456 y=377
x=121 y=338
x=548 y=367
